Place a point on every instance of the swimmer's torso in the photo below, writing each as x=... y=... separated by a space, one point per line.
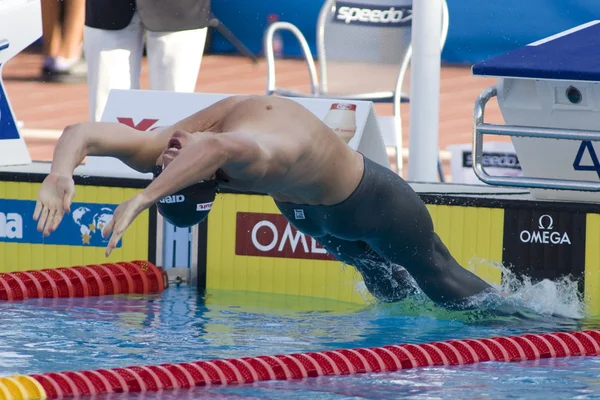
x=290 y=135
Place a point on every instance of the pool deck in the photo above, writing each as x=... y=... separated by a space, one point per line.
x=47 y=107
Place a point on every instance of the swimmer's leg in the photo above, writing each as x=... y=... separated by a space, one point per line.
x=385 y=281
x=387 y=214
x=415 y=245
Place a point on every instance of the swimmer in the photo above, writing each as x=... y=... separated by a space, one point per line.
x=363 y=213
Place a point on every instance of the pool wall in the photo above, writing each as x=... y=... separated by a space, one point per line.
x=78 y=240
x=248 y=245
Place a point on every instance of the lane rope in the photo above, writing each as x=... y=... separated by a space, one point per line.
x=140 y=277
x=186 y=375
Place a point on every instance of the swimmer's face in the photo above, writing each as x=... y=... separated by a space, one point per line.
x=176 y=143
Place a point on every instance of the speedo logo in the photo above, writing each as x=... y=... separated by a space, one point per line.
x=176 y=198
x=349 y=13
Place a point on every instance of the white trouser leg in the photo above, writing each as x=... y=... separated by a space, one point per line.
x=174 y=59
x=114 y=60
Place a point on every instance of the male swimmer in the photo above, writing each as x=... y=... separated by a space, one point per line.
x=362 y=213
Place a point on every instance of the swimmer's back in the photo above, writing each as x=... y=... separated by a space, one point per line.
x=292 y=135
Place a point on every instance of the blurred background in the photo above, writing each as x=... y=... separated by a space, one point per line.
x=216 y=46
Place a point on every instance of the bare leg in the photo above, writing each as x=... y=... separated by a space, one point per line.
x=51 y=29
x=63 y=38
x=74 y=19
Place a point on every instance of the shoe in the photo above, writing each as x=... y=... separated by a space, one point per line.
x=76 y=73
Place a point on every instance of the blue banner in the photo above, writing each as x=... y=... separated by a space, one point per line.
x=478 y=29
x=82 y=227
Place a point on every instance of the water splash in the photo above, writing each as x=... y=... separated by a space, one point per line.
x=517 y=297
x=559 y=298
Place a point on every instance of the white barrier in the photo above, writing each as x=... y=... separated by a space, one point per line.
x=20 y=25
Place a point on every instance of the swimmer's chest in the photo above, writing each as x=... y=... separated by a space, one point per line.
x=269 y=116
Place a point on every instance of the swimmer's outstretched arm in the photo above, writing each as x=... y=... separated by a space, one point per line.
x=137 y=149
x=197 y=162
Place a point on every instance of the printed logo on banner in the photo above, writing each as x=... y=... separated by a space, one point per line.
x=493 y=159
x=587 y=147
x=143 y=125
x=544 y=244
x=372 y=15
x=8 y=127
x=545 y=233
x=82 y=227
x=271 y=235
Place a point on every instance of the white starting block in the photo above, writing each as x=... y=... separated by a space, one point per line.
x=20 y=25
x=549 y=96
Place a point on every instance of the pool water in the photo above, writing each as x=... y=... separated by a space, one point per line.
x=182 y=325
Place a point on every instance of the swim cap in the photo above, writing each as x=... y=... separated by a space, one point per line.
x=190 y=205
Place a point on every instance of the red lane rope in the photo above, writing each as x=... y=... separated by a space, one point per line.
x=338 y=362
x=99 y=282
x=32 y=284
x=140 y=277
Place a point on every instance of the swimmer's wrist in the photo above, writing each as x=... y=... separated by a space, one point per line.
x=60 y=174
x=144 y=200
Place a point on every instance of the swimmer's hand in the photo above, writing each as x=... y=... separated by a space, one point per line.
x=54 y=200
x=122 y=218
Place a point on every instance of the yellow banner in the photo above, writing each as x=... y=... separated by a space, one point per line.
x=78 y=239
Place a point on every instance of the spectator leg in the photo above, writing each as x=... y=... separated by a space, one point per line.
x=114 y=61
x=174 y=59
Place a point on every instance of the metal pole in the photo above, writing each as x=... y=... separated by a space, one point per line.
x=425 y=90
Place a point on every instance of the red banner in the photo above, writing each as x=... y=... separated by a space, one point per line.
x=271 y=235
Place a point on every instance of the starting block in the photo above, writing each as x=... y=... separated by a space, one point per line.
x=549 y=96
x=20 y=25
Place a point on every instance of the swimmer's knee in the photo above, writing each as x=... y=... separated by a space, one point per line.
x=388 y=283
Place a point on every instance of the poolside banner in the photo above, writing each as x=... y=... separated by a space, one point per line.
x=82 y=227
x=78 y=239
x=271 y=235
x=543 y=244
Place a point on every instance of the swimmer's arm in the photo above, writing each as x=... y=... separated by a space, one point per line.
x=202 y=159
x=135 y=148
x=196 y=162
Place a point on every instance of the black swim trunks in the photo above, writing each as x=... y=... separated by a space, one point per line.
x=383 y=224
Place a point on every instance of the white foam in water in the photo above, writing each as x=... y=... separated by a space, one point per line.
x=554 y=298
x=559 y=298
